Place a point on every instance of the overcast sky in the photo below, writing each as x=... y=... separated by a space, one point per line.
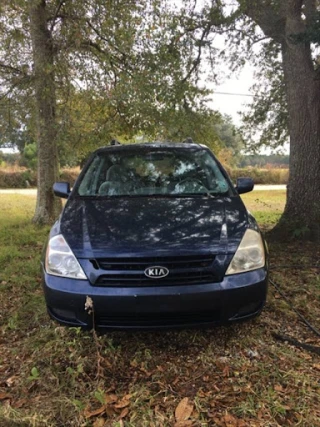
x=231 y=96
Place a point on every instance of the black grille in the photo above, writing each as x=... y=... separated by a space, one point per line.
x=154 y=319
x=181 y=262
x=129 y=272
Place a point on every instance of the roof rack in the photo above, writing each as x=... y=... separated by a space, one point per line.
x=188 y=141
x=115 y=142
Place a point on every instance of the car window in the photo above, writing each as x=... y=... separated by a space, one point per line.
x=151 y=171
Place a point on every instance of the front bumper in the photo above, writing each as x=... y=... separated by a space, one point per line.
x=237 y=297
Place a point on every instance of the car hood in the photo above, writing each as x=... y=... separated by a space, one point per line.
x=127 y=226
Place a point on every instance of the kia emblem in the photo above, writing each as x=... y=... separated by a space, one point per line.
x=156 y=272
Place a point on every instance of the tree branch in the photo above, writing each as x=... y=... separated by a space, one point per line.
x=104 y=38
x=9 y=68
x=56 y=15
x=197 y=61
x=89 y=23
x=114 y=61
x=269 y=17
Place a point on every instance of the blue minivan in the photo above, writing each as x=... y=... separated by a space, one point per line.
x=154 y=235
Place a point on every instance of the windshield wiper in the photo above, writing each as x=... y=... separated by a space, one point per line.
x=153 y=195
x=218 y=194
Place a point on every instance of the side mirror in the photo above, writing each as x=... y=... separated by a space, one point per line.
x=61 y=189
x=244 y=185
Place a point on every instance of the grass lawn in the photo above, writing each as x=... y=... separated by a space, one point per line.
x=266 y=206
x=233 y=376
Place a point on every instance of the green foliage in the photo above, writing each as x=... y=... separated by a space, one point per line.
x=16 y=94
x=244 y=42
x=230 y=138
x=29 y=156
x=254 y=32
x=34 y=375
x=121 y=70
x=268 y=113
x=100 y=396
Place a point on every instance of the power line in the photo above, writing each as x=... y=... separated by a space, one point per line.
x=233 y=94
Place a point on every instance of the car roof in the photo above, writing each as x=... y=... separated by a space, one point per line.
x=154 y=144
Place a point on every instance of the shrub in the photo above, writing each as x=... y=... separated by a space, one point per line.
x=69 y=175
x=261 y=176
x=17 y=178
x=23 y=178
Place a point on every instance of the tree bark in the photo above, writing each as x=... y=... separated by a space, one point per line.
x=302 y=210
x=47 y=207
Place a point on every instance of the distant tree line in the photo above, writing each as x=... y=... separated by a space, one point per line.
x=262 y=160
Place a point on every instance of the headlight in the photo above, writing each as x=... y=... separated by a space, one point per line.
x=250 y=254
x=60 y=260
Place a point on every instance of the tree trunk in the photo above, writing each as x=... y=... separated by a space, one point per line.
x=281 y=21
x=302 y=211
x=48 y=207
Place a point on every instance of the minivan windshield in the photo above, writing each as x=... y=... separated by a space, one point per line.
x=152 y=171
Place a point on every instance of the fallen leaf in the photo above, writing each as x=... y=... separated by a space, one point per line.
x=183 y=410
x=230 y=420
x=122 y=404
x=99 y=411
x=262 y=413
x=127 y=396
x=219 y=422
x=10 y=381
x=316 y=366
x=4 y=396
x=111 y=398
x=226 y=371
x=110 y=411
x=99 y=422
x=202 y=393
x=147 y=373
x=278 y=387
x=247 y=388
x=306 y=356
x=124 y=413
x=286 y=407
x=19 y=403
x=175 y=382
